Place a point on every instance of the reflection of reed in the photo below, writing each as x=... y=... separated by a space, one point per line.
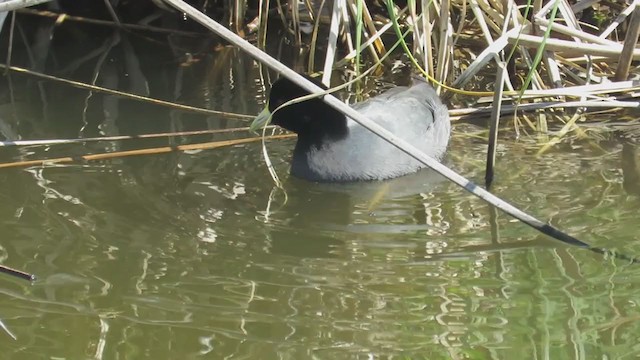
x=630 y=171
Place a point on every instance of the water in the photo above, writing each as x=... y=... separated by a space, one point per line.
x=193 y=255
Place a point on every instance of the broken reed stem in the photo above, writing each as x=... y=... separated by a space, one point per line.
x=494 y=125
x=570 y=47
x=17 y=273
x=149 y=151
x=622 y=72
x=127 y=95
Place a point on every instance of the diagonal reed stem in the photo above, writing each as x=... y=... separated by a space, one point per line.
x=17 y=273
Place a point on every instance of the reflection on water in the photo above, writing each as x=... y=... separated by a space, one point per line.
x=193 y=255
x=133 y=265
x=630 y=169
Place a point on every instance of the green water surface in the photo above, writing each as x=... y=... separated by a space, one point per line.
x=194 y=255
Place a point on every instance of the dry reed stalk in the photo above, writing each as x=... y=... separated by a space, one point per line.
x=483 y=58
x=263 y=16
x=419 y=51
x=491 y=15
x=334 y=28
x=11 y=5
x=482 y=22
x=552 y=69
x=471 y=113
x=549 y=58
x=514 y=19
x=577 y=34
x=352 y=54
x=590 y=90
x=494 y=124
x=295 y=20
x=622 y=72
x=375 y=37
x=375 y=47
x=492 y=19
x=346 y=26
x=501 y=80
x=577 y=78
x=570 y=48
x=371 y=27
x=619 y=19
x=586 y=67
x=149 y=151
x=237 y=9
x=445 y=35
x=494 y=48
x=48 y=142
x=314 y=38
x=427 y=29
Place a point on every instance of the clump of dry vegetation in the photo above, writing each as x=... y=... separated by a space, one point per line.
x=487 y=57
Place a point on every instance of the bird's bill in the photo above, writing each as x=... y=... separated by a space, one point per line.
x=261 y=120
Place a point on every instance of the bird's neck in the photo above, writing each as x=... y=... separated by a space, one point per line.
x=322 y=128
x=315 y=139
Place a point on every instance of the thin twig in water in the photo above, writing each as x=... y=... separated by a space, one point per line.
x=126 y=95
x=116 y=138
x=267 y=160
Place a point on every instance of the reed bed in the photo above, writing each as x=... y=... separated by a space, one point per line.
x=527 y=60
x=575 y=56
x=550 y=52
